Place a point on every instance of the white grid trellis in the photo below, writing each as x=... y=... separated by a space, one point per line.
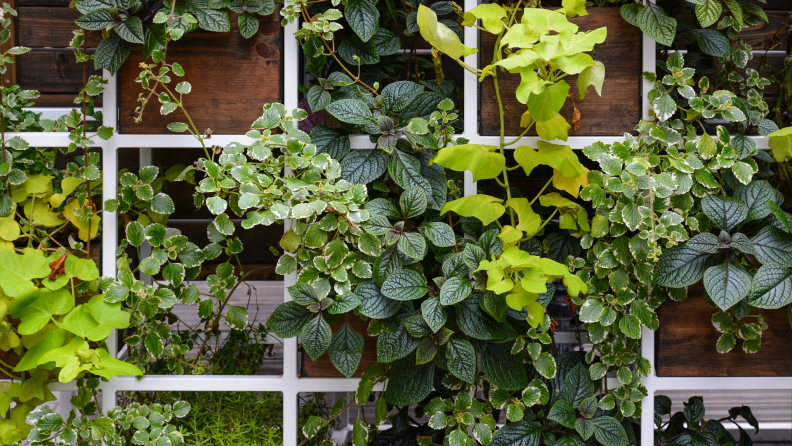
x=290 y=384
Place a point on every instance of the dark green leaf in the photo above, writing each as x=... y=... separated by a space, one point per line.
x=757 y=195
x=352 y=111
x=210 y=19
x=727 y=284
x=363 y=166
x=681 y=266
x=609 y=432
x=577 y=386
x=316 y=336
x=725 y=212
x=131 y=30
x=563 y=413
x=363 y=18
x=332 y=142
x=712 y=42
x=772 y=287
x=405 y=284
x=521 y=433
x=773 y=246
x=461 y=359
x=502 y=368
x=439 y=233
x=409 y=383
x=288 y=319
x=433 y=313
x=656 y=24
x=373 y=303
x=346 y=350
x=111 y=53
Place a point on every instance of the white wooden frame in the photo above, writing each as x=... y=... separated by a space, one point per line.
x=290 y=384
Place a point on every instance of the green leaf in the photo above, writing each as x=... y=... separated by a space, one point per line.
x=405 y=284
x=725 y=212
x=109 y=314
x=318 y=98
x=555 y=128
x=772 y=287
x=708 y=12
x=656 y=24
x=113 y=367
x=214 y=20
x=681 y=266
x=374 y=304
x=484 y=207
x=484 y=161
x=609 y=432
x=346 y=350
x=162 y=204
x=18 y=271
x=504 y=369
x=439 y=233
x=80 y=322
x=433 y=313
x=53 y=339
x=131 y=30
x=664 y=107
x=520 y=433
x=712 y=42
x=560 y=157
x=757 y=196
x=409 y=383
x=630 y=325
x=563 y=413
x=577 y=385
x=773 y=246
x=406 y=172
x=249 y=26
x=454 y=290
x=412 y=202
x=154 y=344
x=461 y=359
x=288 y=319
x=363 y=18
x=694 y=409
x=237 y=317
x=545 y=105
x=398 y=95
x=363 y=166
x=316 y=336
x=36 y=309
x=727 y=284
x=491 y=16
x=412 y=245
x=396 y=344
x=331 y=142
x=545 y=364
x=440 y=36
x=111 y=53
x=352 y=111
x=96 y=20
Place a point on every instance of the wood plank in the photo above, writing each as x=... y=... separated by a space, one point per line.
x=60 y=100
x=685 y=343
x=323 y=367
x=48 y=27
x=616 y=112
x=9 y=78
x=231 y=77
x=51 y=70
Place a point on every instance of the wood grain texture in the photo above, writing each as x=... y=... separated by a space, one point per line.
x=231 y=78
x=616 y=112
x=48 y=27
x=51 y=70
x=324 y=368
x=685 y=343
x=9 y=78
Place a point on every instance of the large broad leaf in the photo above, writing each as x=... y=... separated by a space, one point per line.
x=528 y=221
x=405 y=284
x=373 y=303
x=559 y=157
x=712 y=42
x=504 y=369
x=484 y=161
x=757 y=196
x=433 y=313
x=363 y=18
x=484 y=207
x=288 y=319
x=352 y=111
x=18 y=270
x=215 y=20
x=461 y=359
x=708 y=12
x=396 y=344
x=609 y=432
x=781 y=144
x=656 y=24
x=113 y=367
x=107 y=314
x=474 y=322
x=578 y=385
x=399 y=95
x=409 y=383
x=53 y=338
x=491 y=16
x=363 y=166
x=727 y=284
x=80 y=322
x=316 y=336
x=681 y=266
x=725 y=212
x=331 y=142
x=773 y=246
x=440 y=36
x=521 y=433
x=563 y=413
x=346 y=350
x=36 y=309
x=547 y=20
x=548 y=103
x=405 y=170
x=772 y=287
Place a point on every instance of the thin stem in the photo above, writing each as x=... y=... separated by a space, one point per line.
x=529 y=127
x=548 y=220
x=494 y=72
x=542 y=190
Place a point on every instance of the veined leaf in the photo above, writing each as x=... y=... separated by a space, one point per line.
x=484 y=207
x=483 y=161
x=440 y=36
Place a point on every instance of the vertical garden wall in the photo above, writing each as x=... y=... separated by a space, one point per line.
x=496 y=224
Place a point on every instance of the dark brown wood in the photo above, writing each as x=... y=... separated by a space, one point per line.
x=685 y=343
x=616 y=112
x=51 y=70
x=11 y=358
x=48 y=27
x=231 y=78
x=324 y=368
x=9 y=78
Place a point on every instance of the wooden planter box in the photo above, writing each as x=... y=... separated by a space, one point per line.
x=685 y=343
x=324 y=368
x=616 y=112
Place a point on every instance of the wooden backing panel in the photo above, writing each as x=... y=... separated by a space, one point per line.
x=41 y=3
x=9 y=78
x=685 y=343
x=757 y=36
x=231 y=78
x=616 y=112
x=11 y=358
x=323 y=367
x=51 y=70
x=61 y=100
x=48 y=27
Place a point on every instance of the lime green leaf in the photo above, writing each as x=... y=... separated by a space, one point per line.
x=581 y=42
x=521 y=36
x=484 y=207
x=440 y=36
x=575 y=8
x=112 y=315
x=53 y=339
x=39 y=211
x=781 y=144
x=9 y=228
x=556 y=128
x=111 y=367
x=559 y=157
x=530 y=84
x=491 y=16
x=591 y=76
x=529 y=221
x=575 y=63
x=545 y=105
x=60 y=356
x=570 y=185
x=82 y=226
x=83 y=269
x=546 y=20
x=483 y=161
x=80 y=322
x=67 y=185
x=521 y=59
x=36 y=308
